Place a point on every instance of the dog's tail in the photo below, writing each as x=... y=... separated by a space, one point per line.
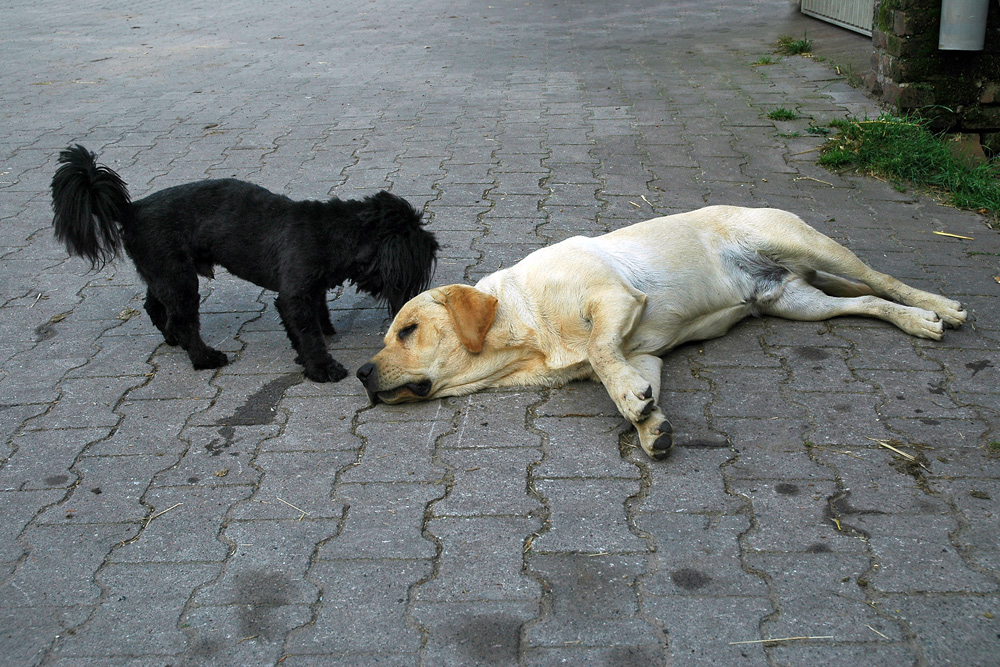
x=91 y=205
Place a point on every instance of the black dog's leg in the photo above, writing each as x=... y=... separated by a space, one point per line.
x=298 y=315
x=178 y=296
x=289 y=331
x=158 y=314
x=323 y=316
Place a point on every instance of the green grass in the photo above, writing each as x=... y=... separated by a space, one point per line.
x=905 y=152
x=794 y=47
x=763 y=60
x=781 y=113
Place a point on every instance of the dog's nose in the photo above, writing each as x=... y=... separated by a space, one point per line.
x=366 y=371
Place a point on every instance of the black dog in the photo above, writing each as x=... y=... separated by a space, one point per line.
x=297 y=249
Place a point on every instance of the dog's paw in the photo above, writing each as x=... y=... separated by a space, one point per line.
x=209 y=359
x=923 y=324
x=657 y=437
x=950 y=311
x=953 y=314
x=636 y=406
x=664 y=442
x=327 y=371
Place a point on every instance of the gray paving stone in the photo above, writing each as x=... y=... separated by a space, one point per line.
x=397 y=456
x=60 y=571
x=364 y=610
x=692 y=483
x=585 y=518
x=383 y=521
x=871 y=654
x=582 y=447
x=820 y=596
x=480 y=560
x=696 y=556
x=149 y=628
x=594 y=603
x=109 y=490
x=488 y=482
x=950 y=629
x=43 y=459
x=899 y=545
x=793 y=516
x=181 y=524
x=462 y=633
x=704 y=630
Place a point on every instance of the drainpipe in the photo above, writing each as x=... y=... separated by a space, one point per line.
x=963 y=25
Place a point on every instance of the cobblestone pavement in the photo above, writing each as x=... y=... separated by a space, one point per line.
x=155 y=515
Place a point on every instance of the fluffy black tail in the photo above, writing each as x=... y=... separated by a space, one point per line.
x=91 y=207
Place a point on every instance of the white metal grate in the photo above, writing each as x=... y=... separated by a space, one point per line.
x=856 y=15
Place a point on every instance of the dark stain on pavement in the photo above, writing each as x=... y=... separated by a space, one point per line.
x=258 y=410
x=489 y=639
x=976 y=366
x=259 y=595
x=690 y=579
x=811 y=353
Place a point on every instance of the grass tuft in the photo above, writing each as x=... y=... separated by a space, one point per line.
x=793 y=47
x=904 y=151
x=763 y=61
x=781 y=113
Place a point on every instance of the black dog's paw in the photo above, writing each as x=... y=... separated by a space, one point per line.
x=327 y=371
x=209 y=359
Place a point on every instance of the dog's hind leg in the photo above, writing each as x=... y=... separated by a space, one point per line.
x=809 y=251
x=304 y=329
x=158 y=315
x=799 y=300
x=178 y=297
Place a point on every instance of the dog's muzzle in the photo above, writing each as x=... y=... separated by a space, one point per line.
x=368 y=376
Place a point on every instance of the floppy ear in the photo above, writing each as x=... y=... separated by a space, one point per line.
x=405 y=253
x=472 y=312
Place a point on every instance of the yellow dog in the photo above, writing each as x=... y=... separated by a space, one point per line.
x=605 y=308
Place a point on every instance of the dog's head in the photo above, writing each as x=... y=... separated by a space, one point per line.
x=434 y=347
x=400 y=253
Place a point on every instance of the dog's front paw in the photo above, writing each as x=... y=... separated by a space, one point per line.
x=327 y=371
x=656 y=435
x=636 y=406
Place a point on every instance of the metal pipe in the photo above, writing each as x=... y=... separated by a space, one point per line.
x=963 y=25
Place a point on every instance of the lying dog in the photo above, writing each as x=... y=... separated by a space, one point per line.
x=607 y=307
x=297 y=249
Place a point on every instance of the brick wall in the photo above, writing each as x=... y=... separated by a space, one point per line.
x=958 y=90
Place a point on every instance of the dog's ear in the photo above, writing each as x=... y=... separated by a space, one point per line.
x=472 y=312
x=405 y=254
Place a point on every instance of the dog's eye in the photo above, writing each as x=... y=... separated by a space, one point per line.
x=405 y=332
